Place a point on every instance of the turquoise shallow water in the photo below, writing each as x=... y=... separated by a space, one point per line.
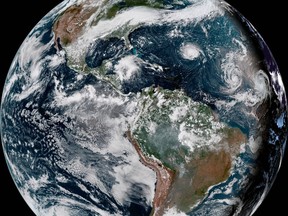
x=34 y=118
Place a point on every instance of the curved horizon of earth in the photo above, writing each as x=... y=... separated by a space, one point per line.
x=143 y=108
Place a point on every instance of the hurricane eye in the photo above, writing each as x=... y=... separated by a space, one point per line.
x=190 y=51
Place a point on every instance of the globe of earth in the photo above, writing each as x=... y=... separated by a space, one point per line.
x=143 y=107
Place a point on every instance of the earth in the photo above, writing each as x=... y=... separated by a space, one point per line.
x=138 y=107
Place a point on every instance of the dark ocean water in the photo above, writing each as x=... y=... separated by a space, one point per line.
x=200 y=79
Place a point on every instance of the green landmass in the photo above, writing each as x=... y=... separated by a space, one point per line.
x=165 y=114
x=163 y=143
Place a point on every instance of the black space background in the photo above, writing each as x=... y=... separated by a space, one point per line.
x=18 y=18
